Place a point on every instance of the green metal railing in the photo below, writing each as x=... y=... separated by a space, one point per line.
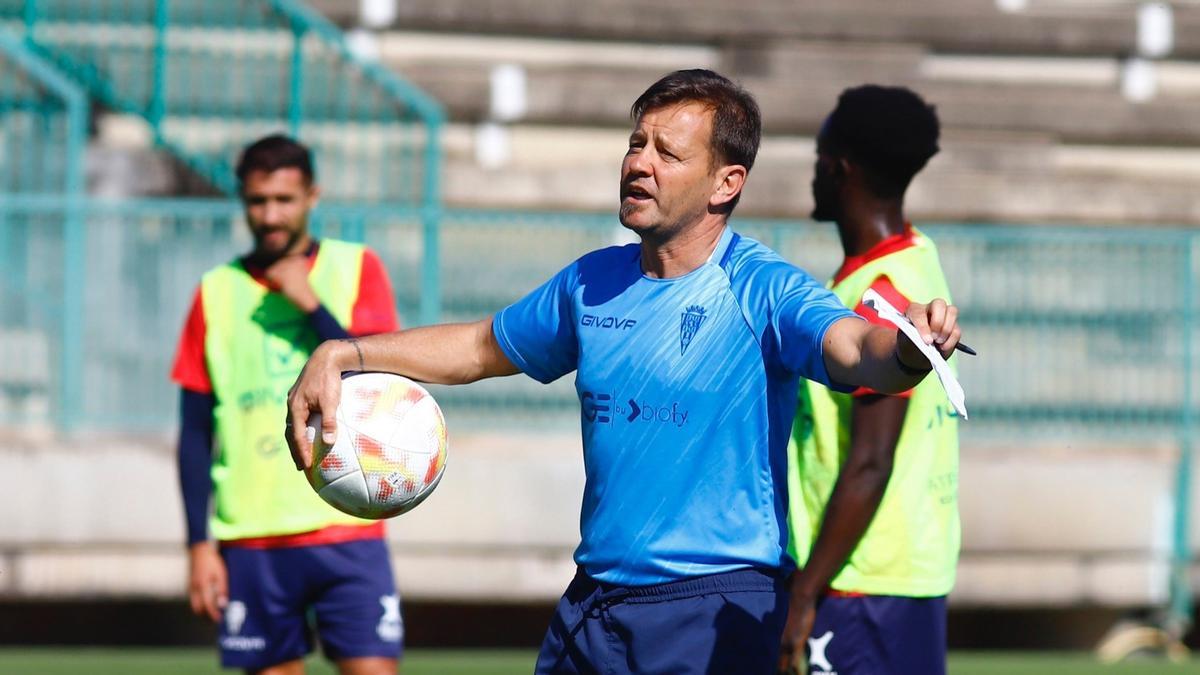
x=43 y=135
x=1087 y=335
x=43 y=123
x=208 y=77
x=1097 y=353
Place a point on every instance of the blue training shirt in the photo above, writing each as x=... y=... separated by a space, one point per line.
x=687 y=388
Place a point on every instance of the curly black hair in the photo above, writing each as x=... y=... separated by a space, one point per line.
x=890 y=131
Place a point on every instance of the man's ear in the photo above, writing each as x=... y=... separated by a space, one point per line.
x=844 y=167
x=730 y=181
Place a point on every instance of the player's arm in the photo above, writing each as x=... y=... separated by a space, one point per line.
x=446 y=354
x=875 y=423
x=374 y=309
x=326 y=325
x=290 y=276
x=860 y=353
x=207 y=585
x=195 y=460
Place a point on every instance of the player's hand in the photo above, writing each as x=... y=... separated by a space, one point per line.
x=289 y=274
x=937 y=323
x=802 y=612
x=208 y=584
x=316 y=391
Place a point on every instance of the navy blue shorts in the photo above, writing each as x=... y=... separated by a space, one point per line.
x=879 y=635
x=723 y=623
x=347 y=588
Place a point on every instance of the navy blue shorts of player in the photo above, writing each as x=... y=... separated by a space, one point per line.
x=348 y=587
x=721 y=623
x=880 y=635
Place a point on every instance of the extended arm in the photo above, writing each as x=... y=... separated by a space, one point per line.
x=446 y=354
x=863 y=354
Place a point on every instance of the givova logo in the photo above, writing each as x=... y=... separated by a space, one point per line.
x=614 y=322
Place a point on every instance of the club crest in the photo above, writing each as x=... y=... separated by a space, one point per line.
x=235 y=616
x=689 y=324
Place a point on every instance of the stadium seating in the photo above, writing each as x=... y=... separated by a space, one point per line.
x=948 y=25
x=1005 y=137
x=1020 y=95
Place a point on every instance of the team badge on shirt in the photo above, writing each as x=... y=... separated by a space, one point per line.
x=689 y=324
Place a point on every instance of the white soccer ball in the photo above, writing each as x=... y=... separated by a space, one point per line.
x=390 y=450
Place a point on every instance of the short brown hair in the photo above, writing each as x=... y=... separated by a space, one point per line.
x=273 y=153
x=737 y=122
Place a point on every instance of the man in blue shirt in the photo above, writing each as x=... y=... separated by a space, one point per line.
x=687 y=350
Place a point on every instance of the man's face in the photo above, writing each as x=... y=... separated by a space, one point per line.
x=277 y=205
x=668 y=175
x=826 y=182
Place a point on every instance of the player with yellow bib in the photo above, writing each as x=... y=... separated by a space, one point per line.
x=269 y=554
x=873 y=479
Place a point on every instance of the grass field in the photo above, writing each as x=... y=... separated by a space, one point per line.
x=71 y=661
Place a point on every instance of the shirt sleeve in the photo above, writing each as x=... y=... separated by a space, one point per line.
x=883 y=286
x=191 y=368
x=326 y=325
x=375 y=308
x=804 y=311
x=195 y=460
x=537 y=332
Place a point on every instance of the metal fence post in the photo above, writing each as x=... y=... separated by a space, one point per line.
x=31 y=19
x=1180 y=610
x=70 y=377
x=431 y=216
x=74 y=265
x=157 y=108
x=296 y=86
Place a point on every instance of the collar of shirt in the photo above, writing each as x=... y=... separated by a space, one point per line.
x=259 y=273
x=894 y=243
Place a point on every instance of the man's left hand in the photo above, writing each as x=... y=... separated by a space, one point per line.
x=802 y=612
x=289 y=275
x=937 y=323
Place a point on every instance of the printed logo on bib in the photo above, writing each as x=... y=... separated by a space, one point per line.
x=286 y=346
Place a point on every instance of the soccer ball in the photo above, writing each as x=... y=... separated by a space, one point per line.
x=390 y=450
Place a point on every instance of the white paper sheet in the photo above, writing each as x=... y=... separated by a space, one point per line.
x=954 y=390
